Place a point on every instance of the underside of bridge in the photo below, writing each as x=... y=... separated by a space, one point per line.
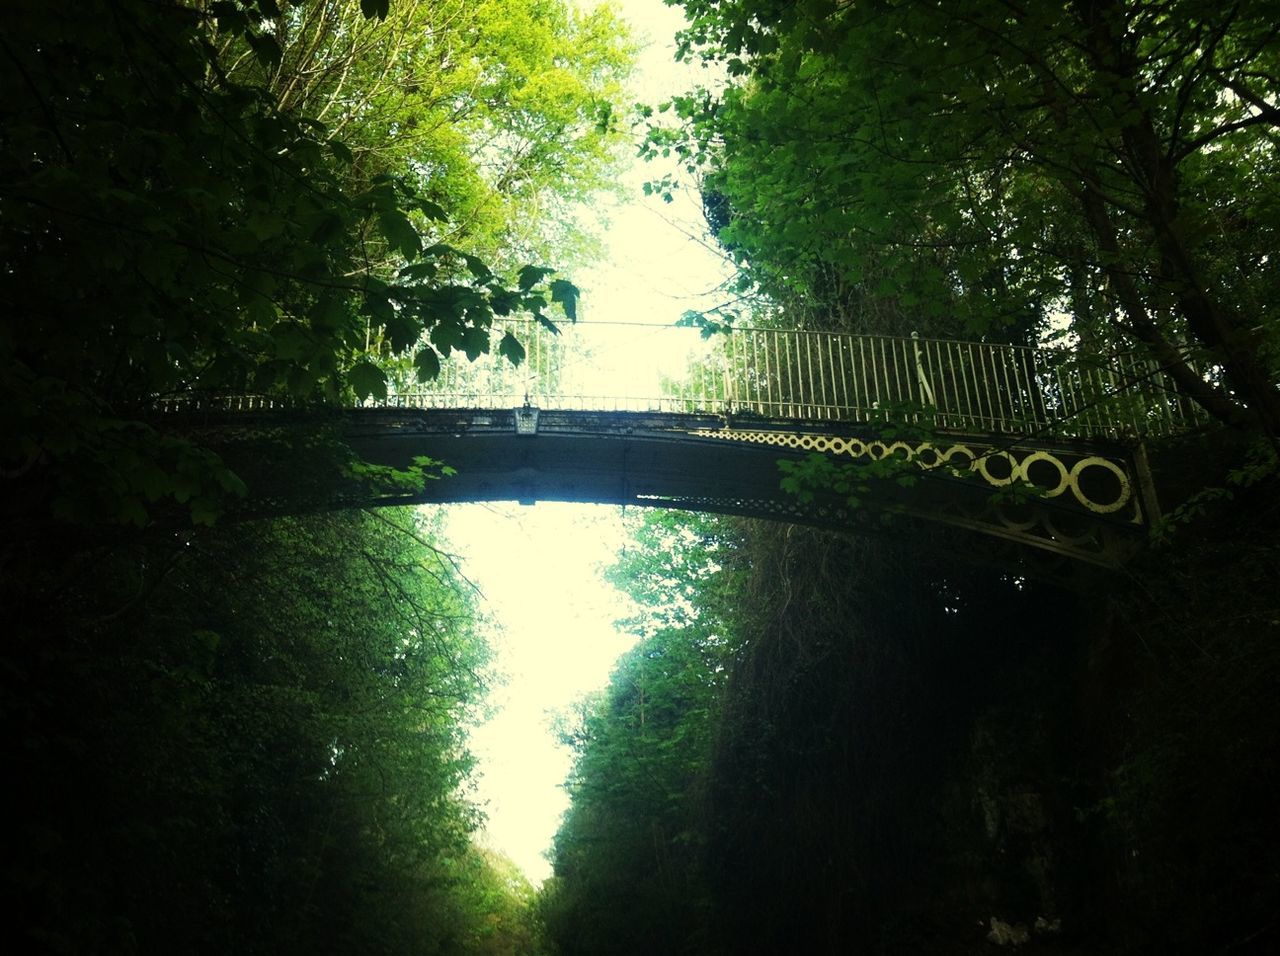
x=1092 y=508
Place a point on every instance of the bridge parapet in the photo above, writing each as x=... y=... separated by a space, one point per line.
x=953 y=386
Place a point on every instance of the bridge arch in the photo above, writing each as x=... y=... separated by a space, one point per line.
x=976 y=421
x=709 y=463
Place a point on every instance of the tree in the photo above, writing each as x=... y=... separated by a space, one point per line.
x=266 y=753
x=498 y=111
x=176 y=218
x=995 y=167
x=627 y=854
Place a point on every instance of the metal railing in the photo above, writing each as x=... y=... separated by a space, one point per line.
x=819 y=376
x=812 y=376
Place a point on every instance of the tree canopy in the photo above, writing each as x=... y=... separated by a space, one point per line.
x=253 y=738
x=627 y=853
x=1105 y=170
x=248 y=195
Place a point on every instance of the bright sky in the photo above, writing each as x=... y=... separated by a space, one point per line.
x=539 y=567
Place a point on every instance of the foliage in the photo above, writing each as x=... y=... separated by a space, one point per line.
x=852 y=482
x=1261 y=464
x=263 y=751
x=990 y=170
x=626 y=855
x=1182 y=809
x=251 y=739
x=226 y=197
x=497 y=111
x=790 y=792
x=900 y=745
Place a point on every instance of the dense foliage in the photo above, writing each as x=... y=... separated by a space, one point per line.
x=1106 y=168
x=906 y=753
x=252 y=739
x=627 y=854
x=248 y=195
x=888 y=748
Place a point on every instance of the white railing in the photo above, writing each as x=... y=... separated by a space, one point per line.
x=811 y=376
x=819 y=376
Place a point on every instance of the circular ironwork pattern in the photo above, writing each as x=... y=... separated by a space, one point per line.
x=989 y=463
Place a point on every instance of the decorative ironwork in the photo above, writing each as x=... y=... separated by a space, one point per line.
x=999 y=467
x=1042 y=530
x=999 y=414
x=1093 y=508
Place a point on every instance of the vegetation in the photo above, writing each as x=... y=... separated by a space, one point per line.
x=626 y=858
x=251 y=738
x=283 y=199
x=906 y=752
x=887 y=748
x=1001 y=169
x=249 y=735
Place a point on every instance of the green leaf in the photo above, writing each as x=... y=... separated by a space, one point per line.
x=329 y=312
x=230 y=482
x=380 y=197
x=341 y=152
x=426 y=364
x=204 y=511
x=431 y=210
x=402 y=329
x=265 y=225
x=291 y=342
x=367 y=379
x=477 y=267
x=420 y=270
x=532 y=275
x=511 y=349
x=504 y=301
x=327 y=227
x=447 y=336
x=566 y=293
x=229 y=16
x=400 y=233
x=264 y=48
x=475 y=342
x=376 y=303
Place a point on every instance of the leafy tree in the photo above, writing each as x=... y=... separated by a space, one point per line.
x=498 y=111
x=226 y=197
x=626 y=857
x=769 y=769
x=266 y=754
x=989 y=168
x=178 y=216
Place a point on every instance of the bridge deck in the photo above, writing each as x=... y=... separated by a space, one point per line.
x=1092 y=508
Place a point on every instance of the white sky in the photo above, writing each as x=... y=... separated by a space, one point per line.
x=539 y=567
